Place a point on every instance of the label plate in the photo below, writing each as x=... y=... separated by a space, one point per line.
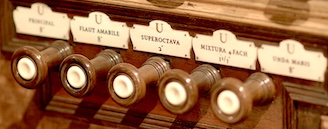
x=40 y=20
x=291 y=59
x=160 y=38
x=224 y=48
x=98 y=29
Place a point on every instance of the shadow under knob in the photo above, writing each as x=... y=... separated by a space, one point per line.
x=30 y=66
x=79 y=74
x=127 y=84
x=232 y=100
x=179 y=91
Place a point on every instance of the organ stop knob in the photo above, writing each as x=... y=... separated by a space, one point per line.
x=232 y=100
x=127 y=84
x=79 y=74
x=179 y=91
x=30 y=66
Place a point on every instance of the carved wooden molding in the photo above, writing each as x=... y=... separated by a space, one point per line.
x=203 y=16
x=294 y=95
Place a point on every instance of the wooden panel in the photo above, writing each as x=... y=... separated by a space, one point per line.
x=259 y=12
x=304 y=105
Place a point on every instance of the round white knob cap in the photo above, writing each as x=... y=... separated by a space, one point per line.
x=175 y=93
x=228 y=102
x=123 y=86
x=76 y=77
x=26 y=68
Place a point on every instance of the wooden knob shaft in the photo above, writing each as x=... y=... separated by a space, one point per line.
x=79 y=75
x=127 y=84
x=232 y=100
x=179 y=91
x=30 y=66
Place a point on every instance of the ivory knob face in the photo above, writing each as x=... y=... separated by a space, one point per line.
x=232 y=100
x=127 y=84
x=228 y=102
x=76 y=77
x=175 y=93
x=26 y=68
x=179 y=91
x=30 y=66
x=123 y=86
x=79 y=75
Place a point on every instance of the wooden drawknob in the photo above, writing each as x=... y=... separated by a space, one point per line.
x=178 y=91
x=127 y=84
x=232 y=100
x=29 y=66
x=79 y=75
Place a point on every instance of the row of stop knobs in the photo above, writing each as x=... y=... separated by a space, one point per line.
x=231 y=100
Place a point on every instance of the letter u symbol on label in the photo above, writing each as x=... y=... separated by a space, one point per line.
x=226 y=38
x=40 y=11
x=98 y=22
x=158 y=30
x=289 y=49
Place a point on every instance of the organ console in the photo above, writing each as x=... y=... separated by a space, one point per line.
x=127 y=84
x=272 y=56
x=232 y=100
x=30 y=66
x=79 y=74
x=179 y=91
